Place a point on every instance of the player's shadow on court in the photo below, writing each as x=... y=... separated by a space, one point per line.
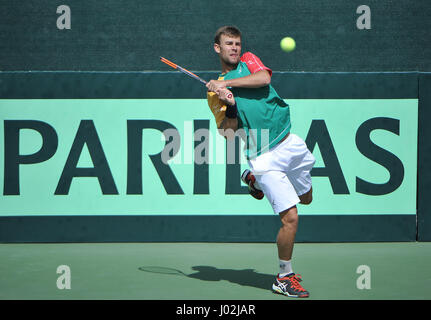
x=245 y=277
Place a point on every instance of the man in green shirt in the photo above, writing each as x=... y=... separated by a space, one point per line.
x=242 y=99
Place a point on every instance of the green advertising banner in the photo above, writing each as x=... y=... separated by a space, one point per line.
x=102 y=157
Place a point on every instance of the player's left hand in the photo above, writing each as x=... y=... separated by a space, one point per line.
x=215 y=85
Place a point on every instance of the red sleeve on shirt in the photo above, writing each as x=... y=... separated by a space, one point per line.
x=253 y=63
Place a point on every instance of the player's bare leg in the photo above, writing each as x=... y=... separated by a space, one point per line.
x=289 y=221
x=288 y=283
x=287 y=232
x=307 y=198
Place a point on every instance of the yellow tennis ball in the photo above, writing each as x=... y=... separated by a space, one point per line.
x=287 y=44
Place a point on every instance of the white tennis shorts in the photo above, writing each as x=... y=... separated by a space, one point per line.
x=283 y=172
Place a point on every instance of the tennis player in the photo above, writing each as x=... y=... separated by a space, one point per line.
x=280 y=163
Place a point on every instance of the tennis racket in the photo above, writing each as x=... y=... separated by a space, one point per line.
x=185 y=71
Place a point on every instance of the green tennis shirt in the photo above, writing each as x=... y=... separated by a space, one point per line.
x=263 y=117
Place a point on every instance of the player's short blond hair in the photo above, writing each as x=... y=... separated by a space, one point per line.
x=226 y=30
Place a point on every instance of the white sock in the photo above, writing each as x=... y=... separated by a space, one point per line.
x=285 y=268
